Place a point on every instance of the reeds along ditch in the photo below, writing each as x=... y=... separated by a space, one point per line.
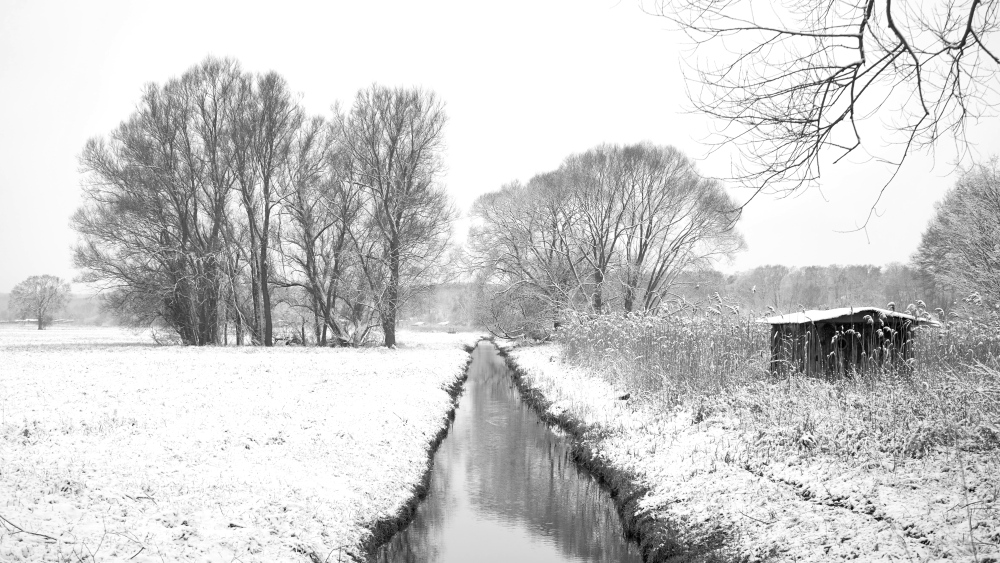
x=715 y=361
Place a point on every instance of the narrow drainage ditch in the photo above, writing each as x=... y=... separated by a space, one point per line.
x=503 y=488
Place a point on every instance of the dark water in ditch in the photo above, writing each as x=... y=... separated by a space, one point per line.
x=503 y=488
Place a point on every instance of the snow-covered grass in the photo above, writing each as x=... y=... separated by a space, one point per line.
x=720 y=364
x=113 y=448
x=719 y=485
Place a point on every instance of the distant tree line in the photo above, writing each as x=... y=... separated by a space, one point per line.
x=784 y=289
x=757 y=291
x=956 y=265
x=610 y=229
x=219 y=196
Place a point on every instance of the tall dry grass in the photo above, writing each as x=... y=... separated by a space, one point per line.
x=714 y=361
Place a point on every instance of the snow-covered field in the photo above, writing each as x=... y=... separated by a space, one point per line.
x=713 y=491
x=113 y=448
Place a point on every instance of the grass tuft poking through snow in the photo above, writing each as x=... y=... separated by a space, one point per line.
x=113 y=448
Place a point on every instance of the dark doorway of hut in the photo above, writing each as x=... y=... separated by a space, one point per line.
x=503 y=488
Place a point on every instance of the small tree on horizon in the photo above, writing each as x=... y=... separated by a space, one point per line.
x=40 y=296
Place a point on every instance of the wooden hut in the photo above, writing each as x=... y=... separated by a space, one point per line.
x=841 y=341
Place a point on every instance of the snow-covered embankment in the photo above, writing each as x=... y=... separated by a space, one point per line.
x=696 y=489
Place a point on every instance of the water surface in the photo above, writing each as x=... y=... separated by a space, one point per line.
x=504 y=489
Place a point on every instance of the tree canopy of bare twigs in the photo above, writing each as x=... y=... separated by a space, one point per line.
x=40 y=297
x=797 y=83
x=961 y=246
x=612 y=228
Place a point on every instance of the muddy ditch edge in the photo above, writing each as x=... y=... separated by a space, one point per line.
x=659 y=540
x=382 y=530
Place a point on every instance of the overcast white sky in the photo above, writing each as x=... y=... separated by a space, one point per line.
x=526 y=83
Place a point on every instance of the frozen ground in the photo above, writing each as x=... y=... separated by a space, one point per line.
x=716 y=488
x=112 y=448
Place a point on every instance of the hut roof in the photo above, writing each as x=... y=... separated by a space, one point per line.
x=844 y=314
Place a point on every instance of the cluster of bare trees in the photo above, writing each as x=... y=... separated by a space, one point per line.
x=612 y=228
x=219 y=193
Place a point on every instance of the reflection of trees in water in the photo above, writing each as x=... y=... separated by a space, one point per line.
x=421 y=541
x=524 y=472
x=516 y=470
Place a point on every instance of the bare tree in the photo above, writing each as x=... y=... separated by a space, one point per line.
x=601 y=193
x=394 y=143
x=674 y=221
x=304 y=177
x=522 y=243
x=156 y=195
x=959 y=247
x=793 y=78
x=264 y=127
x=40 y=296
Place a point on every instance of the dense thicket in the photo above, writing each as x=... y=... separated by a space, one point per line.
x=219 y=195
x=611 y=229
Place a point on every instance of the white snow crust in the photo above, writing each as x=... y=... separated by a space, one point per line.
x=118 y=449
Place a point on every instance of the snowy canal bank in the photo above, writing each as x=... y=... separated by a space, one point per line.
x=114 y=449
x=703 y=489
x=504 y=488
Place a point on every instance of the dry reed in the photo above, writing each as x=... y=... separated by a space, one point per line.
x=714 y=361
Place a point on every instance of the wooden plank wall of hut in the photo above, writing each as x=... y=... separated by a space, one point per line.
x=835 y=349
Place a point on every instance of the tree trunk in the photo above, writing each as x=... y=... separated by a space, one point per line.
x=238 y=318
x=317 y=325
x=598 y=285
x=389 y=329
x=254 y=327
x=392 y=295
x=265 y=290
x=265 y=294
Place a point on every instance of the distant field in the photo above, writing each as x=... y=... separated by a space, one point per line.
x=118 y=449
